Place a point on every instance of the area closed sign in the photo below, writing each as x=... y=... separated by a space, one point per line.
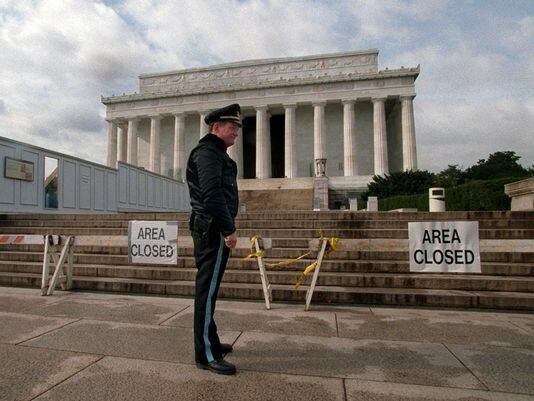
x=152 y=242
x=444 y=246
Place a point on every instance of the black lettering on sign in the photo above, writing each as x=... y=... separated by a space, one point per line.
x=456 y=237
x=151 y=233
x=441 y=237
x=448 y=256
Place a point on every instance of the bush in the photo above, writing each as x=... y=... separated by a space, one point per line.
x=479 y=195
x=474 y=195
x=419 y=202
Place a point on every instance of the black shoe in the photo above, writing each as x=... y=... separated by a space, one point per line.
x=219 y=366
x=226 y=348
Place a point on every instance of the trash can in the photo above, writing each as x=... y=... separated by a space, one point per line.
x=436 y=199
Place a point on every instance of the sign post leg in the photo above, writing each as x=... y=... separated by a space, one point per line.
x=264 y=281
x=46 y=267
x=70 y=257
x=309 y=293
x=59 y=267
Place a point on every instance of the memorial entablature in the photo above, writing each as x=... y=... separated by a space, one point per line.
x=333 y=115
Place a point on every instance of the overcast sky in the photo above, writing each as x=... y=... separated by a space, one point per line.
x=475 y=92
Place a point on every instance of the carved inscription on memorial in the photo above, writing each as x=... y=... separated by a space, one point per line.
x=275 y=72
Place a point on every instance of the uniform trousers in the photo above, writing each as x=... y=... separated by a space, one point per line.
x=211 y=255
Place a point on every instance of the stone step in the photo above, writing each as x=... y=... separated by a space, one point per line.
x=181 y=216
x=322 y=294
x=273 y=233
x=261 y=224
x=412 y=216
x=389 y=277
x=283 y=215
x=11 y=251
x=329 y=264
x=379 y=277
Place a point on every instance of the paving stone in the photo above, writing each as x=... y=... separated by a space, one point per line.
x=27 y=301
x=27 y=372
x=434 y=327
x=405 y=362
x=16 y=327
x=136 y=380
x=526 y=322
x=272 y=321
x=499 y=368
x=358 y=390
x=120 y=309
x=127 y=340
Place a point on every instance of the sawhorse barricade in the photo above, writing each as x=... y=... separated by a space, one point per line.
x=54 y=253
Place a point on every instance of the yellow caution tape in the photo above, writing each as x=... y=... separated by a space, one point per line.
x=261 y=253
x=332 y=245
x=253 y=252
x=306 y=271
x=288 y=261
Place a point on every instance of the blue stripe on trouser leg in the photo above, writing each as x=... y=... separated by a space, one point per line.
x=213 y=285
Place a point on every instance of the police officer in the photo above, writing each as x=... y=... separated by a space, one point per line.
x=211 y=177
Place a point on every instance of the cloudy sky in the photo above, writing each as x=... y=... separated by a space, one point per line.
x=475 y=93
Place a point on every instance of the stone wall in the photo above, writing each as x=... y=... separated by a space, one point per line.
x=522 y=194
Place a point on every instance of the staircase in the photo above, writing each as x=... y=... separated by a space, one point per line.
x=355 y=277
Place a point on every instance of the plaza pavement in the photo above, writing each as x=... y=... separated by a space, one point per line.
x=94 y=346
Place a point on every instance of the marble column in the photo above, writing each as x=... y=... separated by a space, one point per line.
x=380 y=136
x=112 y=144
x=122 y=133
x=290 y=127
x=131 y=157
x=319 y=135
x=350 y=168
x=263 y=143
x=409 y=153
x=203 y=129
x=236 y=152
x=155 y=150
x=179 y=147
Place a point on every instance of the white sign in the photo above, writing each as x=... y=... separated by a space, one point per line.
x=444 y=246
x=153 y=242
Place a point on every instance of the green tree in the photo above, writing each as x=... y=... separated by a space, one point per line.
x=499 y=165
x=451 y=176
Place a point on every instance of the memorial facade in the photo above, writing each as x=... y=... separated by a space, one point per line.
x=331 y=120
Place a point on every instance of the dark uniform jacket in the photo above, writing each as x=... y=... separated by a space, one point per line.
x=211 y=177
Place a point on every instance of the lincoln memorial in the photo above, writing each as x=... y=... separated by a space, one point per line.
x=320 y=126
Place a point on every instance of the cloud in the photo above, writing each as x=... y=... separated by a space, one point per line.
x=480 y=128
x=200 y=32
x=60 y=56
x=474 y=91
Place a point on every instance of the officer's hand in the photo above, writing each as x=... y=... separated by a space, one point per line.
x=231 y=240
